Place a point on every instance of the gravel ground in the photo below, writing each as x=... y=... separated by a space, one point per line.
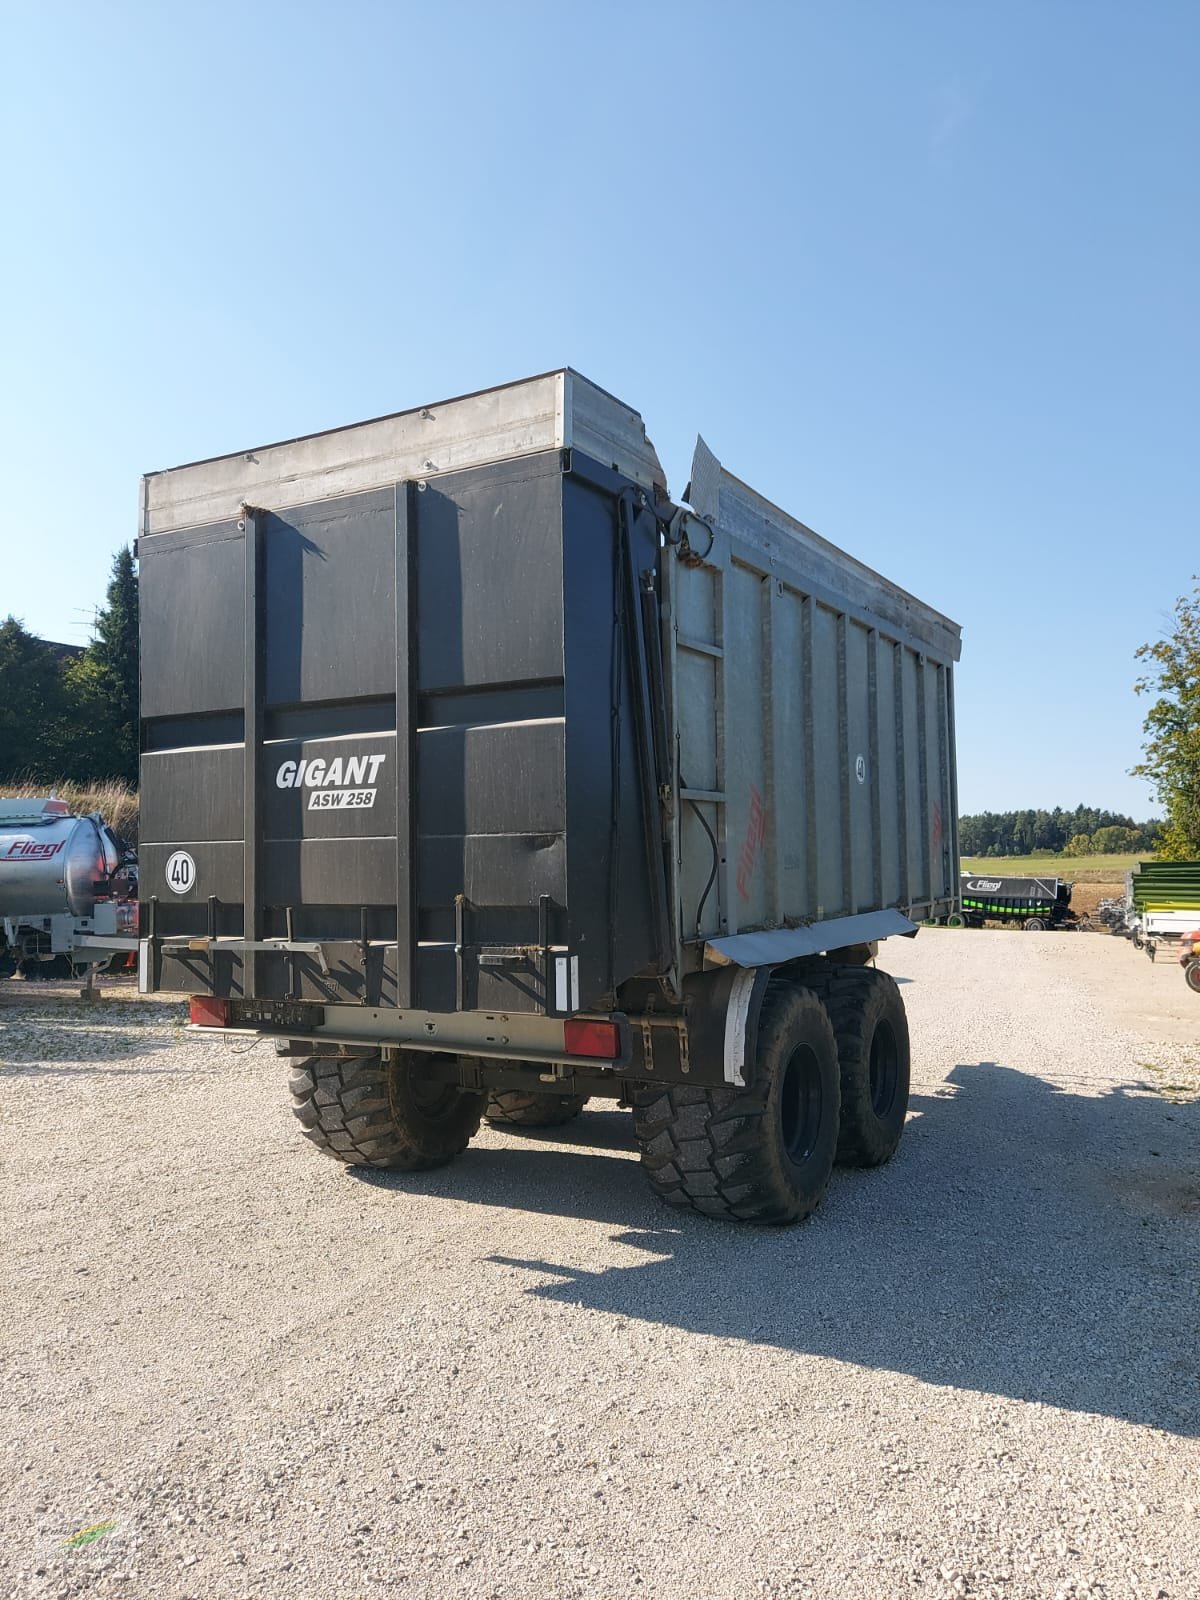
x=232 y=1368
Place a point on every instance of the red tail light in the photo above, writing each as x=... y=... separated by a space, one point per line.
x=206 y=1011
x=584 y=1038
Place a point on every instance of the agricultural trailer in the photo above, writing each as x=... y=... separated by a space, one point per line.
x=1162 y=903
x=484 y=778
x=1035 y=903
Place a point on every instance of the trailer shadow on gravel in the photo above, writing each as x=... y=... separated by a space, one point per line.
x=1026 y=1241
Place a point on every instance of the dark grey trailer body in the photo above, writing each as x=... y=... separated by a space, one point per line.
x=435 y=790
x=454 y=726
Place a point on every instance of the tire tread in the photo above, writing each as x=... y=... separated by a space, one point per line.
x=519 y=1108
x=845 y=993
x=707 y=1148
x=348 y=1107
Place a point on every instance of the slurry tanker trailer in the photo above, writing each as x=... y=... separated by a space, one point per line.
x=66 y=889
x=484 y=778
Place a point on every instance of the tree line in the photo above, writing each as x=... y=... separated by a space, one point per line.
x=74 y=715
x=1088 y=830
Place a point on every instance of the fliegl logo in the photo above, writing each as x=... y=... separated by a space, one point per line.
x=33 y=850
x=983 y=885
x=344 y=784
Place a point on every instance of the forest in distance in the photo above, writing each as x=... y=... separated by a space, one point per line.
x=1085 y=831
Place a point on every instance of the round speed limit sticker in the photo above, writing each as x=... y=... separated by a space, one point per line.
x=181 y=872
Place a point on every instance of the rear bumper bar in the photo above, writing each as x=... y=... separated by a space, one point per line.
x=503 y=1036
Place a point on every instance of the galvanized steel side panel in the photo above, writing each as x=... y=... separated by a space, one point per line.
x=813 y=711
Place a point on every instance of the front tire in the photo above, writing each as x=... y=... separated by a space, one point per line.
x=383 y=1111
x=761 y=1154
x=1191 y=975
x=512 y=1108
x=1034 y=925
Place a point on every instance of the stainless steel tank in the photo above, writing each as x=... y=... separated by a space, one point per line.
x=50 y=864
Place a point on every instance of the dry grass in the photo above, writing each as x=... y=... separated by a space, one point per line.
x=115 y=802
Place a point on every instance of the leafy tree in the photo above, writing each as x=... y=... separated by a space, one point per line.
x=31 y=705
x=86 y=732
x=1172 y=727
x=1079 y=844
x=1116 y=840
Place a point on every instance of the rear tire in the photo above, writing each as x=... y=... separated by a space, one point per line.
x=956 y=920
x=874 y=1060
x=375 y=1111
x=1191 y=975
x=512 y=1108
x=761 y=1154
x=1034 y=925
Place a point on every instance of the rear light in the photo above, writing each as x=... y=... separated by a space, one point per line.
x=206 y=1011
x=584 y=1038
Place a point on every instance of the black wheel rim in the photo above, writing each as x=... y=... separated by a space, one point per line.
x=885 y=1069
x=801 y=1100
x=430 y=1097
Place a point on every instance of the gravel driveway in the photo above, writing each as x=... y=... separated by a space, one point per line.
x=231 y=1368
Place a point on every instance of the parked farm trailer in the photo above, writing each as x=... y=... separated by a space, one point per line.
x=1162 y=904
x=1035 y=903
x=485 y=779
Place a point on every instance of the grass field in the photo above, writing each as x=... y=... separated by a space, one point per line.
x=1076 y=869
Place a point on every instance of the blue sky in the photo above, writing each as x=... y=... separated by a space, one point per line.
x=925 y=274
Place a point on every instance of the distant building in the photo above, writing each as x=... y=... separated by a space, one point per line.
x=63 y=652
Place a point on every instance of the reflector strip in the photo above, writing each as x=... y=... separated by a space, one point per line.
x=584 y=1038
x=207 y=1011
x=566 y=983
